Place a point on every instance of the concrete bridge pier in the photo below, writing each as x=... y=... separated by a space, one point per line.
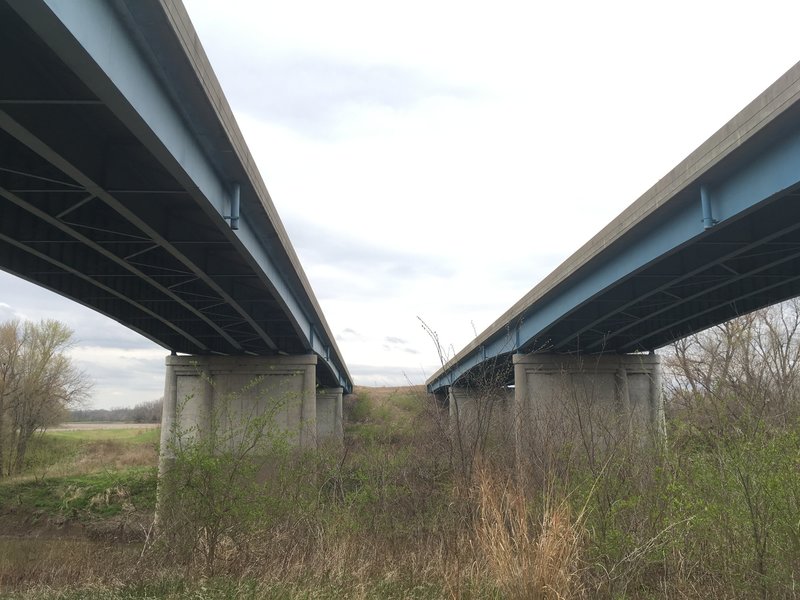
x=591 y=402
x=478 y=413
x=235 y=389
x=329 y=415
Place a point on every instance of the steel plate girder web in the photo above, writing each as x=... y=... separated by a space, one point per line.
x=112 y=292
x=91 y=39
x=109 y=255
x=676 y=279
x=775 y=170
x=128 y=68
x=683 y=300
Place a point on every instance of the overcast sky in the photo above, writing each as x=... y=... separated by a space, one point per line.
x=435 y=160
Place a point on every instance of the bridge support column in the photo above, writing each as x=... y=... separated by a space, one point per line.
x=232 y=391
x=590 y=402
x=235 y=388
x=477 y=414
x=329 y=414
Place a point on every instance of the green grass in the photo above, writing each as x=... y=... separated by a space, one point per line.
x=133 y=435
x=61 y=453
x=359 y=408
x=103 y=494
x=411 y=403
x=386 y=417
x=46 y=452
x=84 y=474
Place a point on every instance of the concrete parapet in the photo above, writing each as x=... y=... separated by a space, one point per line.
x=592 y=401
x=329 y=414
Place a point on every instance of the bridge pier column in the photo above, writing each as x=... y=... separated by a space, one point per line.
x=590 y=402
x=235 y=388
x=477 y=413
x=231 y=392
x=329 y=414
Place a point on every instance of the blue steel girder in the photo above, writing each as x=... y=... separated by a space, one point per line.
x=725 y=243
x=96 y=40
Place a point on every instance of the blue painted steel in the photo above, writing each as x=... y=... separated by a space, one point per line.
x=131 y=90
x=712 y=287
x=705 y=203
x=235 y=206
x=775 y=170
x=712 y=308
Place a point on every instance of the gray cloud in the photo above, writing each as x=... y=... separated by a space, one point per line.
x=24 y=300
x=140 y=381
x=384 y=266
x=311 y=93
x=348 y=335
x=382 y=376
x=398 y=344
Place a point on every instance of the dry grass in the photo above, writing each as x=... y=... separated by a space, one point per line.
x=350 y=561
x=110 y=454
x=388 y=516
x=79 y=452
x=64 y=562
x=528 y=555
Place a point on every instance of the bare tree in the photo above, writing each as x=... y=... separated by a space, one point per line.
x=747 y=367
x=38 y=382
x=479 y=423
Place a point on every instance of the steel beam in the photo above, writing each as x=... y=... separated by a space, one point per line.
x=113 y=257
x=90 y=37
x=150 y=235
x=763 y=178
x=664 y=288
x=115 y=294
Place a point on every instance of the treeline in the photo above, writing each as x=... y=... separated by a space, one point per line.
x=146 y=412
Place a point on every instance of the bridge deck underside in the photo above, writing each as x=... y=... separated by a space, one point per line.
x=739 y=265
x=88 y=212
x=736 y=267
x=717 y=237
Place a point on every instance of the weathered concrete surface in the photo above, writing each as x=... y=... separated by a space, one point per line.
x=233 y=388
x=236 y=391
x=329 y=415
x=477 y=414
x=593 y=401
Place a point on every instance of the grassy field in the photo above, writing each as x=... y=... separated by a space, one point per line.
x=83 y=434
x=395 y=513
x=89 y=494
x=80 y=475
x=81 y=451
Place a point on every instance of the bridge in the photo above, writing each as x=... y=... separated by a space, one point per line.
x=717 y=237
x=126 y=186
